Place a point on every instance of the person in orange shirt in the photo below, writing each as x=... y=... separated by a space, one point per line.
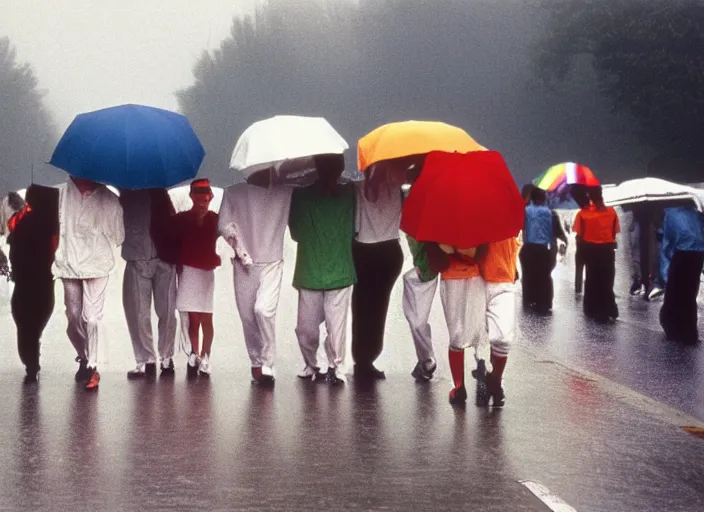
x=498 y=269
x=464 y=303
x=597 y=228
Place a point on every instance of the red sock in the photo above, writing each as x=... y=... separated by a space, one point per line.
x=457 y=367
x=498 y=363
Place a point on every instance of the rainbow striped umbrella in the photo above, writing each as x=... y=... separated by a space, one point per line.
x=569 y=173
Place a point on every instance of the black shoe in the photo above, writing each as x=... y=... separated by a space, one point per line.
x=82 y=375
x=368 y=373
x=636 y=289
x=167 y=368
x=458 y=396
x=423 y=372
x=332 y=377
x=495 y=390
x=150 y=370
x=481 y=398
x=31 y=377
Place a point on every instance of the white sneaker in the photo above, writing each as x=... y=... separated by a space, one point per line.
x=204 y=368
x=655 y=293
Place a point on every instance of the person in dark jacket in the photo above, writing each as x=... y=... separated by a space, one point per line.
x=33 y=237
x=149 y=272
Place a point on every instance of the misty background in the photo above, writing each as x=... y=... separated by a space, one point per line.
x=617 y=85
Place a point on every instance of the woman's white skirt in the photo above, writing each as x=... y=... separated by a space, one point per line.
x=196 y=290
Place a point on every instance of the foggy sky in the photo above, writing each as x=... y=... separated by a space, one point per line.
x=467 y=64
x=90 y=54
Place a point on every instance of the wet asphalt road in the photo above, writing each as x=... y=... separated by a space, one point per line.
x=594 y=440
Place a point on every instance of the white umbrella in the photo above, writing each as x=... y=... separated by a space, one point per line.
x=285 y=145
x=647 y=190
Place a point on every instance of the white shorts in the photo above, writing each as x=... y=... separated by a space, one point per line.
x=196 y=290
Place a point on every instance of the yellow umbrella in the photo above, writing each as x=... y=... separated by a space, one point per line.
x=409 y=138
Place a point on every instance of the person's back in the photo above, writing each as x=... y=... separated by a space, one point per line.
x=538 y=225
x=684 y=229
x=683 y=261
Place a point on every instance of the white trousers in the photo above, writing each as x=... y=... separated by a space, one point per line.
x=464 y=304
x=316 y=307
x=257 y=289
x=85 y=299
x=418 y=299
x=501 y=316
x=142 y=280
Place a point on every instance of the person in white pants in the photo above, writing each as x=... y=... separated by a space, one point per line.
x=253 y=221
x=419 y=287
x=463 y=296
x=322 y=223
x=147 y=274
x=498 y=268
x=90 y=229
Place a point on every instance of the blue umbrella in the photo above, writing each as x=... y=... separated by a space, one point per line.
x=130 y=147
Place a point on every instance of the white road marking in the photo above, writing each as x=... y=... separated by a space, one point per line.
x=553 y=501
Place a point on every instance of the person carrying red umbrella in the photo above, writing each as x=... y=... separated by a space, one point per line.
x=453 y=191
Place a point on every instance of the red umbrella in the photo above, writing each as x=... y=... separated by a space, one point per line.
x=463 y=200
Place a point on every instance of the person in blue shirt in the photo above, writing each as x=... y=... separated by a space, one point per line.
x=682 y=262
x=540 y=231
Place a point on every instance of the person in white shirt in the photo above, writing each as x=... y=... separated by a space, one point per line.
x=147 y=273
x=378 y=261
x=253 y=220
x=90 y=229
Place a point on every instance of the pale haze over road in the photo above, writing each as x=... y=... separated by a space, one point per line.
x=90 y=54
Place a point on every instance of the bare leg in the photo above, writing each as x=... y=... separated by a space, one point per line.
x=206 y=320
x=194 y=320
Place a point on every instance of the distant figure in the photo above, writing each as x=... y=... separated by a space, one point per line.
x=580 y=196
x=378 y=261
x=535 y=256
x=498 y=268
x=91 y=227
x=598 y=227
x=322 y=224
x=33 y=237
x=150 y=271
x=197 y=233
x=248 y=211
x=683 y=257
x=10 y=204
x=642 y=222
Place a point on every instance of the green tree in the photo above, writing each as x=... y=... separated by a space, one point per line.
x=26 y=127
x=648 y=56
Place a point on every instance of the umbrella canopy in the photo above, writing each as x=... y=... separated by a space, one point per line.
x=647 y=190
x=463 y=200
x=569 y=173
x=130 y=147
x=285 y=146
x=410 y=138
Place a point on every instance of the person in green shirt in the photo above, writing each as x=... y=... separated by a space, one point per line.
x=322 y=224
x=419 y=287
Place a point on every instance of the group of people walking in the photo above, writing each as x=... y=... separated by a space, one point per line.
x=348 y=254
x=596 y=226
